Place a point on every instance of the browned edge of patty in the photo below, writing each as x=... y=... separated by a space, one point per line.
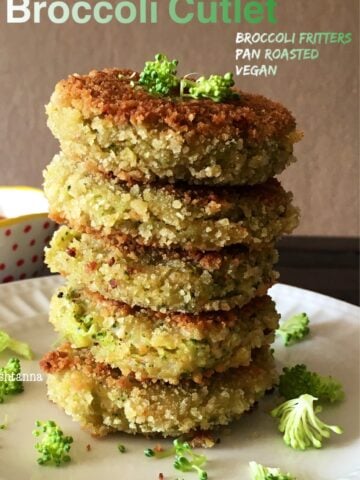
x=203 y=320
x=65 y=358
x=207 y=260
x=110 y=94
x=269 y=194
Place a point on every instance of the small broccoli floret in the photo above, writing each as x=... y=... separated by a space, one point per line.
x=301 y=427
x=185 y=465
x=294 y=329
x=10 y=382
x=54 y=446
x=159 y=77
x=216 y=87
x=298 y=380
x=186 y=460
x=20 y=348
x=258 y=472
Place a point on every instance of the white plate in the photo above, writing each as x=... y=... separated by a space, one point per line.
x=332 y=348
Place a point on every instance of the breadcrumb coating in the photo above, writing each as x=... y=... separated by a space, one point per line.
x=171 y=212
x=165 y=280
x=102 y=400
x=204 y=218
x=121 y=129
x=168 y=347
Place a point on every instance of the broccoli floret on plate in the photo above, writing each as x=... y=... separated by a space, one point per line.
x=20 y=348
x=259 y=472
x=10 y=381
x=294 y=329
x=53 y=446
x=300 y=425
x=297 y=380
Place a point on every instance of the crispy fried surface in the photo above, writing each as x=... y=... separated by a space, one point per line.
x=102 y=400
x=167 y=215
x=109 y=94
x=100 y=119
x=161 y=346
x=165 y=280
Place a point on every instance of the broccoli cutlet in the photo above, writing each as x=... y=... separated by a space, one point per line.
x=164 y=346
x=204 y=218
x=164 y=280
x=109 y=121
x=102 y=400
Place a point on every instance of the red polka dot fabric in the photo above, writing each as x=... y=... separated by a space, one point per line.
x=22 y=248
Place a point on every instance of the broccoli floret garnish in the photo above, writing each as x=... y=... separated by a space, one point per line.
x=294 y=329
x=54 y=446
x=298 y=380
x=301 y=427
x=159 y=77
x=185 y=458
x=258 y=472
x=216 y=87
x=20 y=348
x=9 y=379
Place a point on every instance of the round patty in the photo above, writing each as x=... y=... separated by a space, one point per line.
x=168 y=216
x=160 y=346
x=102 y=400
x=106 y=119
x=161 y=279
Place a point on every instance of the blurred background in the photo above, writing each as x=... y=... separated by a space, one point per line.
x=322 y=94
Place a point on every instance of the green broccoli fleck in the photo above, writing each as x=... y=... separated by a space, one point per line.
x=301 y=427
x=9 y=379
x=4 y=425
x=20 y=348
x=159 y=77
x=54 y=446
x=149 y=452
x=258 y=472
x=121 y=448
x=294 y=329
x=186 y=460
x=216 y=87
x=298 y=380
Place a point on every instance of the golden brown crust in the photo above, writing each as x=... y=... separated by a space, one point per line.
x=219 y=197
x=216 y=198
x=250 y=207
x=210 y=261
x=65 y=358
x=110 y=94
x=57 y=360
x=203 y=320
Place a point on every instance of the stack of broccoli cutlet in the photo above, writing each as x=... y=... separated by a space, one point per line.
x=170 y=214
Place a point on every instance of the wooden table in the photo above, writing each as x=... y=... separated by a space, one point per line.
x=325 y=265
